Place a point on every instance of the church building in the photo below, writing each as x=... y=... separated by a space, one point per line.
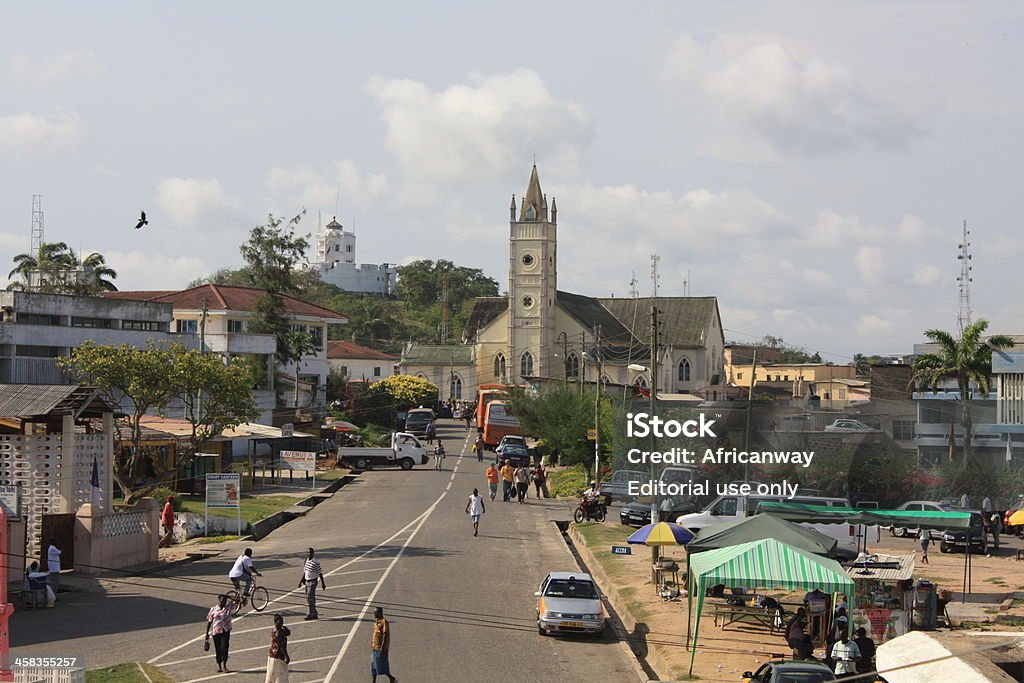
x=538 y=333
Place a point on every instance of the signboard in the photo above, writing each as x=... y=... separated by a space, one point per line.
x=10 y=500
x=591 y=434
x=621 y=550
x=223 y=489
x=288 y=429
x=300 y=461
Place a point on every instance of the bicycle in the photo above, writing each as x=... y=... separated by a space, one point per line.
x=258 y=597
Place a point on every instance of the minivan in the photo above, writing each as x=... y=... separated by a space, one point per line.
x=731 y=508
x=417 y=419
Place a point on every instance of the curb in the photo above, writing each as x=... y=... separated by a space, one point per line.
x=653 y=655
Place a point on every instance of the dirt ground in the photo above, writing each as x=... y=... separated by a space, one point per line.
x=724 y=654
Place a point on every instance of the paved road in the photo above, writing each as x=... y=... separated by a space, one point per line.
x=460 y=607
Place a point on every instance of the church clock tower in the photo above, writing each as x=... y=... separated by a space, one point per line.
x=532 y=284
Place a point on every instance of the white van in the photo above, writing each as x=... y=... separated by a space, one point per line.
x=732 y=508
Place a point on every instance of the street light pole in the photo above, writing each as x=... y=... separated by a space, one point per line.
x=597 y=404
x=655 y=502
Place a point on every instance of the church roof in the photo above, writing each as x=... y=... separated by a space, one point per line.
x=589 y=313
x=437 y=354
x=685 y=320
x=485 y=310
x=535 y=197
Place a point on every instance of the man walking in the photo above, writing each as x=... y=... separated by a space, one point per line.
x=845 y=654
x=380 y=644
x=311 y=571
x=507 y=481
x=492 y=479
x=522 y=478
x=53 y=566
x=475 y=508
x=438 y=455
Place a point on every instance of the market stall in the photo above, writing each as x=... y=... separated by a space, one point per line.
x=883 y=597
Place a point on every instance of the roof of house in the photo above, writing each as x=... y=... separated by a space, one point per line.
x=684 y=320
x=226 y=298
x=36 y=401
x=437 y=354
x=338 y=349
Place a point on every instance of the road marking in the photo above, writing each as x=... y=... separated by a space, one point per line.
x=351 y=634
x=253 y=670
x=349 y=585
x=143 y=672
x=248 y=649
x=299 y=590
x=358 y=571
x=301 y=622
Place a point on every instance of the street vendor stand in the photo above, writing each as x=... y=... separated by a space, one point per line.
x=883 y=596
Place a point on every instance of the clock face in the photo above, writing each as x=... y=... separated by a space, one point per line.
x=528 y=260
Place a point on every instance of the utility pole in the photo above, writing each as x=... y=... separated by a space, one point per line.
x=202 y=351
x=583 y=365
x=597 y=404
x=656 y=496
x=750 y=407
x=565 y=357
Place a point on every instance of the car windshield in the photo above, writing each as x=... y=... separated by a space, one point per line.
x=804 y=677
x=513 y=449
x=418 y=417
x=564 y=588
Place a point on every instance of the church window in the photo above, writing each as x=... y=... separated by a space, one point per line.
x=528 y=260
x=684 y=370
x=348 y=248
x=499 y=367
x=526 y=364
x=572 y=366
x=641 y=382
x=337 y=247
x=456 y=387
x=531 y=213
x=527 y=302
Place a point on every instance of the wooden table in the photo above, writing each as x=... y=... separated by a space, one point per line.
x=729 y=614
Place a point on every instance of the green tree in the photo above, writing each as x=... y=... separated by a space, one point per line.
x=272 y=253
x=385 y=398
x=56 y=269
x=420 y=283
x=147 y=380
x=966 y=360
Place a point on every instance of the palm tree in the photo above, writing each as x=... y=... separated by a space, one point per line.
x=55 y=270
x=967 y=360
x=99 y=276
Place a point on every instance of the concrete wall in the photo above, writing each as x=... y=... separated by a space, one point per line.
x=116 y=540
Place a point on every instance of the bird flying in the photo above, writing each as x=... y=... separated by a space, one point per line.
x=142 y=220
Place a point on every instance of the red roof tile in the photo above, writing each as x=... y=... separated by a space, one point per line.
x=345 y=349
x=225 y=298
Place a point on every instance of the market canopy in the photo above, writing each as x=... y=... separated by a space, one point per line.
x=912 y=519
x=767 y=563
x=759 y=527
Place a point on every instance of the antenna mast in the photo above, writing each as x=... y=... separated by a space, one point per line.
x=964 y=318
x=634 y=291
x=444 y=309
x=655 y=278
x=37 y=225
x=686 y=283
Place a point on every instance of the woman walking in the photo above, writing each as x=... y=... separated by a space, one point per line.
x=540 y=479
x=277 y=658
x=924 y=537
x=218 y=625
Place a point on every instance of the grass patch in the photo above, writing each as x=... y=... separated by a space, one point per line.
x=996 y=580
x=215 y=538
x=127 y=673
x=253 y=508
x=568 y=482
x=331 y=475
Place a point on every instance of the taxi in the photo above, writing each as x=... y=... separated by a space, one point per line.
x=569 y=602
x=790 y=672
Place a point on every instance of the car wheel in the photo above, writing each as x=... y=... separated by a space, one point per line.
x=899 y=533
x=406 y=463
x=361 y=463
x=943 y=548
x=540 y=630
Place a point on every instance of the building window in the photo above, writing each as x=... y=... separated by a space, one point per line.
x=235 y=326
x=526 y=364
x=376 y=371
x=499 y=367
x=572 y=366
x=96 y=323
x=348 y=248
x=455 y=390
x=337 y=247
x=684 y=370
x=38 y=319
x=640 y=382
x=903 y=430
x=30 y=351
x=739 y=375
x=143 y=325
x=187 y=326
x=317 y=333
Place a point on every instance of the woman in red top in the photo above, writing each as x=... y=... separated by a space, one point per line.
x=167 y=522
x=218 y=624
x=277 y=658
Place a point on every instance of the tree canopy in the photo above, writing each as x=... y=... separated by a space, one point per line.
x=56 y=269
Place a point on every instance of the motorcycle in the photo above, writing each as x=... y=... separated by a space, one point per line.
x=596 y=509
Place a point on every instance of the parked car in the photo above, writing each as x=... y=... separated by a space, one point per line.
x=790 y=672
x=515 y=454
x=618 y=486
x=510 y=438
x=848 y=426
x=417 y=419
x=569 y=602
x=958 y=538
x=917 y=506
x=636 y=513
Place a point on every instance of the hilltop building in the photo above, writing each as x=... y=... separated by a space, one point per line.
x=335 y=259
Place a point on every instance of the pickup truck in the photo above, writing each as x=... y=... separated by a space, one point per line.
x=405 y=451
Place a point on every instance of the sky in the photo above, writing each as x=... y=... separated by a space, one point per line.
x=810 y=164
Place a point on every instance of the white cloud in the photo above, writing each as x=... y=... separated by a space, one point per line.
x=190 y=202
x=872 y=324
x=55 y=68
x=798 y=103
x=481 y=130
x=135 y=269
x=31 y=132
x=925 y=276
x=872 y=264
x=344 y=184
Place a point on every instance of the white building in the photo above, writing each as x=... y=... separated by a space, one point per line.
x=335 y=259
x=360 y=363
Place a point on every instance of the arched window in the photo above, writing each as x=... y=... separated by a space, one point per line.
x=684 y=370
x=455 y=390
x=526 y=364
x=499 y=367
x=640 y=381
x=572 y=366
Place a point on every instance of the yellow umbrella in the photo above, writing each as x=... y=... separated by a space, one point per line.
x=1016 y=518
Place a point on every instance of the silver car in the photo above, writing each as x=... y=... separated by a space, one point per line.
x=569 y=602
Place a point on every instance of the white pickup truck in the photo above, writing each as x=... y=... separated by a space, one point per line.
x=405 y=451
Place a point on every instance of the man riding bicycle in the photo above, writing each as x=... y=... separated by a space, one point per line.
x=243 y=570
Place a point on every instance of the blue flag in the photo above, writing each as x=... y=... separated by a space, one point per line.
x=95 y=498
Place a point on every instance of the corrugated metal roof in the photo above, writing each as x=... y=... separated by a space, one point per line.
x=27 y=401
x=437 y=354
x=871 y=569
x=685 y=320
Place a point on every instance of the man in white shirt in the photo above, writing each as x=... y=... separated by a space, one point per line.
x=243 y=570
x=845 y=654
x=311 y=572
x=475 y=508
x=53 y=565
